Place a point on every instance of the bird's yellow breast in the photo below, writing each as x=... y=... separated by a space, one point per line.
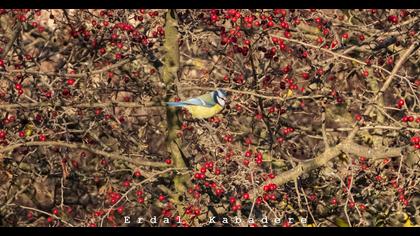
x=200 y=112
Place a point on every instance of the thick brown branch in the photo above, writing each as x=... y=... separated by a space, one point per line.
x=331 y=153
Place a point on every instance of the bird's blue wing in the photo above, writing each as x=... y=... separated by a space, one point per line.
x=205 y=100
x=198 y=101
x=176 y=104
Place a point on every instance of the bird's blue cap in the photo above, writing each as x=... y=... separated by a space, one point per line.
x=221 y=93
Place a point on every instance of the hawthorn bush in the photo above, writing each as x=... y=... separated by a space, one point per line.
x=322 y=124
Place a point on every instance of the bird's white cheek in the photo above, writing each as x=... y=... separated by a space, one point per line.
x=221 y=101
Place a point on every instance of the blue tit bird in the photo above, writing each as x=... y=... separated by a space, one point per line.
x=204 y=106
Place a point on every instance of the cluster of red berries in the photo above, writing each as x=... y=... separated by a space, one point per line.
x=191 y=210
x=402 y=197
x=288 y=130
x=202 y=174
x=269 y=187
x=415 y=141
x=258 y=158
x=228 y=138
x=114 y=197
x=19 y=88
x=410 y=119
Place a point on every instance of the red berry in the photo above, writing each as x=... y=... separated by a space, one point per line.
x=393 y=19
x=345 y=36
x=246 y=196
x=280 y=140
x=312 y=197
x=71 y=81
x=320 y=40
x=139 y=193
x=305 y=75
x=2 y=134
x=365 y=73
x=55 y=211
x=120 y=209
x=168 y=161
x=358 y=117
x=126 y=183
x=197 y=212
x=18 y=86
x=272 y=187
x=401 y=102
x=197 y=176
x=248 y=153
x=161 y=198
x=42 y=137
x=137 y=173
